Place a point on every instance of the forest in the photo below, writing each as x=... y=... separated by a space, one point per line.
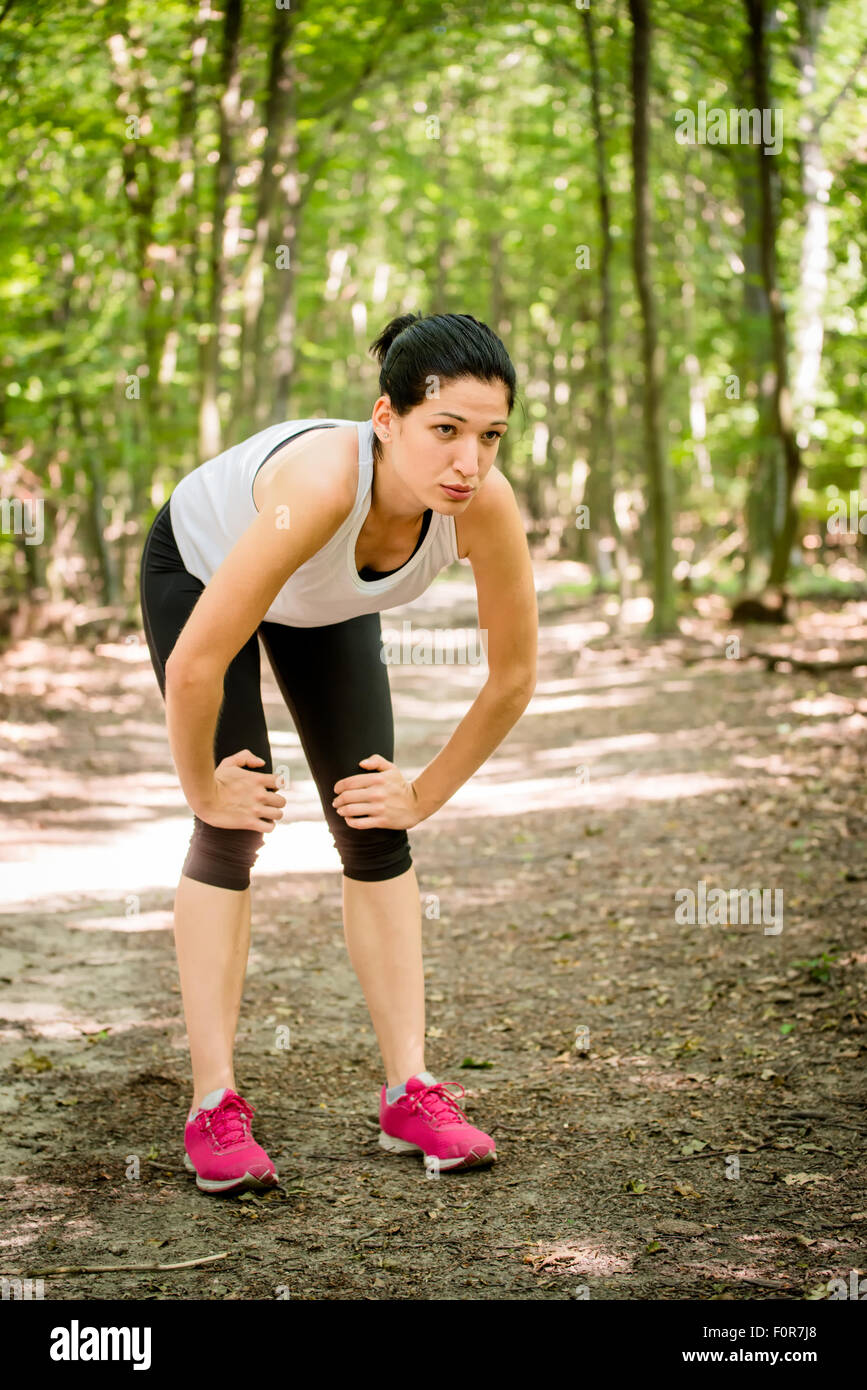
x=210 y=211
x=631 y=937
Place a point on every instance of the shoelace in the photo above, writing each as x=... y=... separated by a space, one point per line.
x=230 y=1123
x=436 y=1102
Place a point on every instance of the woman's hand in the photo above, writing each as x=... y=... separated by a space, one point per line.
x=379 y=799
x=243 y=800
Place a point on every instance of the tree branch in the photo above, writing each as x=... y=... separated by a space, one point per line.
x=832 y=105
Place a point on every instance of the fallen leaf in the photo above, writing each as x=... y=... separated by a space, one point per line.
x=31 y=1061
x=693 y=1146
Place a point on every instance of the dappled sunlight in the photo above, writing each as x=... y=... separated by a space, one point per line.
x=634 y=612
x=727 y=1271
x=776 y=765
x=597 y=749
x=608 y=699
x=148 y=857
x=304 y=847
x=132 y=922
x=83 y=1228
x=51 y=1022
x=659 y=1080
x=443 y=711
x=132 y=650
x=145 y=856
x=48 y=1018
x=462 y=681
x=145 y=731
x=825 y=733
x=566 y=758
x=826 y=703
x=564 y=793
x=132 y=792
x=636 y=749
x=33 y=1231
x=433 y=708
x=41 y=1203
x=640 y=886
x=23 y=734
x=605 y=678
x=585 y=1256
x=652 y=1077
x=287 y=739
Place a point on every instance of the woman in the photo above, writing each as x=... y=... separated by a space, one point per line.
x=300 y=536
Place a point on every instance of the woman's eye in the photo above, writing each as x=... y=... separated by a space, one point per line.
x=494 y=434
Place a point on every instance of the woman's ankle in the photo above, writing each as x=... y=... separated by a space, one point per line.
x=209 y=1092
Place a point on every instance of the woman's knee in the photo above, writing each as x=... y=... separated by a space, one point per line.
x=373 y=855
x=220 y=857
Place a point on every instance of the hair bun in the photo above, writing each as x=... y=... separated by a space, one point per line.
x=416 y=350
x=392 y=330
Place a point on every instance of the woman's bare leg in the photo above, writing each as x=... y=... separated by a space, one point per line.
x=212 y=940
x=382 y=926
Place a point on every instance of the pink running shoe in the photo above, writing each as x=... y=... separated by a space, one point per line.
x=428 y=1120
x=220 y=1148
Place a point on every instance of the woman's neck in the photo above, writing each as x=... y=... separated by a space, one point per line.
x=391 y=502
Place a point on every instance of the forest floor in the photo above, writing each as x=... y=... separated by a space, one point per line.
x=702 y=1139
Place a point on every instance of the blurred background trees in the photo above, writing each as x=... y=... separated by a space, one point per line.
x=210 y=210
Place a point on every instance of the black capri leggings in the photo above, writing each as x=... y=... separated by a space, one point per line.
x=336 y=689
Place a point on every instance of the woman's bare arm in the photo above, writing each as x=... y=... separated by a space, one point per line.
x=500 y=559
x=304 y=505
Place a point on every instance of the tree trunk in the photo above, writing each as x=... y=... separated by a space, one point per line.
x=599 y=490
x=184 y=213
x=140 y=176
x=290 y=205
x=210 y=432
x=815 y=186
x=440 y=168
x=659 y=499
x=279 y=144
x=95 y=517
x=782 y=396
x=753 y=367
x=696 y=382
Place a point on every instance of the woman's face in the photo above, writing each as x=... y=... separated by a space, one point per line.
x=452 y=438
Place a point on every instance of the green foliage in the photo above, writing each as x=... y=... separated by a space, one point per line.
x=819 y=967
x=430 y=157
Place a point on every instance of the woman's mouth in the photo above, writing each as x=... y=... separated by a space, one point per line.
x=458 y=493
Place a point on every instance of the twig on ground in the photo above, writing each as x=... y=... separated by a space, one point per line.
x=112 y=1269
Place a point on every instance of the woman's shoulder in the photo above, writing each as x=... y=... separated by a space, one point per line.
x=320 y=453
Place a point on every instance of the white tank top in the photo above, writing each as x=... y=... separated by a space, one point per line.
x=213 y=506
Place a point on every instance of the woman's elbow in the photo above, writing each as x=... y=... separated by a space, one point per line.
x=185 y=670
x=516 y=687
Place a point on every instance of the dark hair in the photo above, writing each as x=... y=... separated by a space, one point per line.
x=411 y=349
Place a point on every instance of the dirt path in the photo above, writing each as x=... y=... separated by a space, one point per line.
x=707 y=1142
